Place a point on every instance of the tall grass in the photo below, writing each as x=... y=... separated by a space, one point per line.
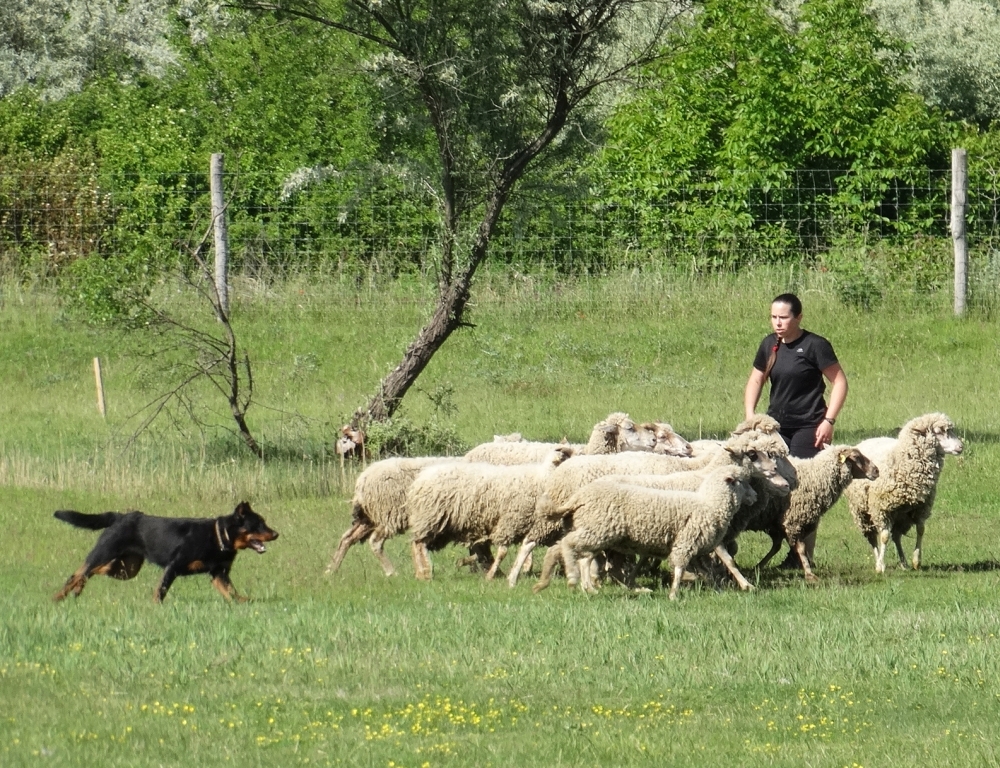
x=357 y=669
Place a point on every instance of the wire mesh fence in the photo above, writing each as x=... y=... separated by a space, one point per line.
x=883 y=224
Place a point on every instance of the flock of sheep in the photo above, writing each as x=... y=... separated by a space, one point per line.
x=636 y=493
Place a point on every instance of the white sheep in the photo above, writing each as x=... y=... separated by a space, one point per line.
x=821 y=481
x=666 y=440
x=473 y=502
x=378 y=508
x=611 y=514
x=757 y=449
x=617 y=432
x=903 y=495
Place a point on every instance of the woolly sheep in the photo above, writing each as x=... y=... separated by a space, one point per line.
x=821 y=481
x=513 y=437
x=473 y=501
x=611 y=514
x=759 y=449
x=378 y=507
x=903 y=495
x=617 y=432
x=581 y=470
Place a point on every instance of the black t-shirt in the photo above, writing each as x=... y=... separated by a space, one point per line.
x=797 y=383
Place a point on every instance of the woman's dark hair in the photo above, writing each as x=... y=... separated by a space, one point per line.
x=792 y=301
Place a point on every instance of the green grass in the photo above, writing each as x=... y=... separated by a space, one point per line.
x=357 y=669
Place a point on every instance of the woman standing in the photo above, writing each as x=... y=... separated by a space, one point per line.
x=797 y=361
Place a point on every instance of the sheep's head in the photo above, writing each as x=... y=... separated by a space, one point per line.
x=859 y=465
x=559 y=454
x=513 y=437
x=759 y=422
x=767 y=457
x=620 y=433
x=941 y=429
x=351 y=441
x=667 y=441
x=738 y=480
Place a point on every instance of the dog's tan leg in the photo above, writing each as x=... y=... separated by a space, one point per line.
x=78 y=580
x=74 y=584
x=226 y=589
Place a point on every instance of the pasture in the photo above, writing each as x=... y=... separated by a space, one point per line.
x=357 y=669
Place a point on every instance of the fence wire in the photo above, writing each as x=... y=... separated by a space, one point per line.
x=388 y=221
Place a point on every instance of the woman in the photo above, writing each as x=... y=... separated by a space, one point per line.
x=797 y=361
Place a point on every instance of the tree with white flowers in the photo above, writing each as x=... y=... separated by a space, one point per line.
x=954 y=52
x=496 y=85
x=57 y=45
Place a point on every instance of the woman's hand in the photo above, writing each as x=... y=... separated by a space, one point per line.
x=824 y=434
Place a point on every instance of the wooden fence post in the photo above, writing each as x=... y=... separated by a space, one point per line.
x=100 y=387
x=221 y=233
x=959 y=197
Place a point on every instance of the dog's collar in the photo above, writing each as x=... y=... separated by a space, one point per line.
x=218 y=535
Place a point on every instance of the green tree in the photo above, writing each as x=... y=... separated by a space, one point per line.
x=752 y=94
x=495 y=85
x=954 y=51
x=58 y=45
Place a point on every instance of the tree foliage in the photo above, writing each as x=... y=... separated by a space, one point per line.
x=954 y=51
x=58 y=45
x=496 y=85
x=752 y=94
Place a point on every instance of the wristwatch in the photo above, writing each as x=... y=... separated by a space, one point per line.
x=827 y=418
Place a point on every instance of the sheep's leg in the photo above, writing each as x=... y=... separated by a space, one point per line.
x=418 y=566
x=553 y=556
x=897 y=540
x=523 y=555
x=480 y=557
x=587 y=580
x=501 y=554
x=632 y=569
x=594 y=567
x=570 y=563
x=675 y=584
x=883 y=539
x=918 y=548
x=352 y=536
x=802 y=548
x=776 y=542
x=422 y=567
x=810 y=540
x=727 y=560
x=376 y=543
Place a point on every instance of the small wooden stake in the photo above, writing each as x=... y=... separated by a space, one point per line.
x=100 y=386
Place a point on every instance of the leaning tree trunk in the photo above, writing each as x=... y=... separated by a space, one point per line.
x=454 y=293
x=448 y=316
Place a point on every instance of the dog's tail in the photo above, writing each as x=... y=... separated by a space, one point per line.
x=83 y=520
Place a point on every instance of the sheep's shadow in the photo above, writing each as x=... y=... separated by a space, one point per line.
x=980 y=566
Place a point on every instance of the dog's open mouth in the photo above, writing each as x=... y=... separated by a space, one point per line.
x=257 y=546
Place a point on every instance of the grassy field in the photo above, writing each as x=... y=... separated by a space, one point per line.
x=357 y=669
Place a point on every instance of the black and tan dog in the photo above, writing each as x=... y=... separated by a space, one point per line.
x=181 y=546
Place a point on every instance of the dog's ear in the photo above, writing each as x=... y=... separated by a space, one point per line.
x=241 y=509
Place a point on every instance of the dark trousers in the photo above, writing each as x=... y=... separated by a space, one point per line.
x=800 y=442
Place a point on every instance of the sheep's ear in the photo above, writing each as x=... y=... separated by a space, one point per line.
x=843 y=457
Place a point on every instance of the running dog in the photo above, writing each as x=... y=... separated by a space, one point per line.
x=180 y=546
